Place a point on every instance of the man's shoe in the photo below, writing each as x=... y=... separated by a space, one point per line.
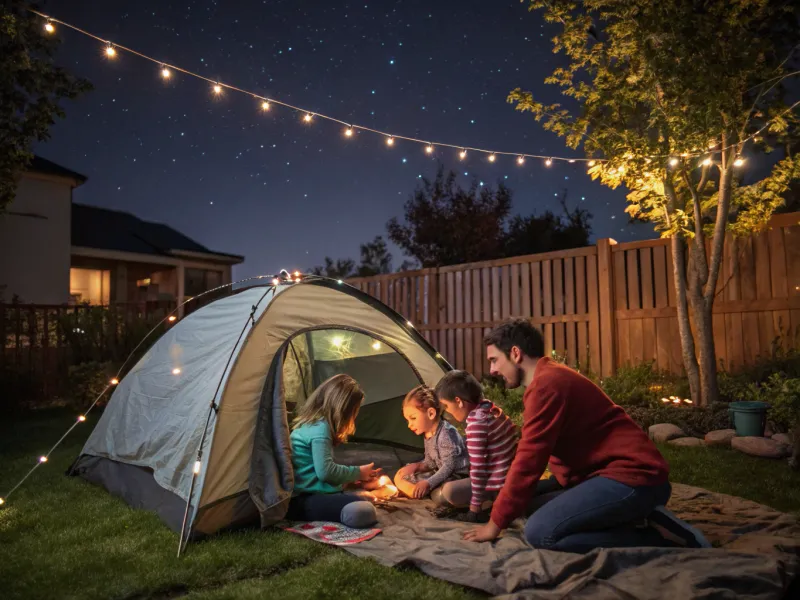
x=677 y=532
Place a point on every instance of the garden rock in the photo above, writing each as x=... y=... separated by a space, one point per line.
x=663 y=432
x=720 y=437
x=687 y=441
x=782 y=438
x=760 y=446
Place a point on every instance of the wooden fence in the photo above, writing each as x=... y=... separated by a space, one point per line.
x=605 y=305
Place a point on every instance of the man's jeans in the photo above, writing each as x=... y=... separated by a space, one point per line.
x=597 y=513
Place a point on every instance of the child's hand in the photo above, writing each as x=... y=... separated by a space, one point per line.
x=421 y=489
x=371 y=485
x=367 y=472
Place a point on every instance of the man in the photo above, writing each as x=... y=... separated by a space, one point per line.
x=613 y=482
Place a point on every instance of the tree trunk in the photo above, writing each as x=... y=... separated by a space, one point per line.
x=678 y=248
x=704 y=326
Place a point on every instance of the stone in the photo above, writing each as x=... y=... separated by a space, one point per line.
x=720 y=437
x=783 y=438
x=687 y=441
x=768 y=432
x=761 y=446
x=663 y=432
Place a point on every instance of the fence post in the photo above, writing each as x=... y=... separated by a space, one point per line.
x=605 y=284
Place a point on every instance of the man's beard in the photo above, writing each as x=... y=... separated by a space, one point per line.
x=510 y=385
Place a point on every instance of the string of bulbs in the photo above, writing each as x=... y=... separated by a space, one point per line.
x=265 y=104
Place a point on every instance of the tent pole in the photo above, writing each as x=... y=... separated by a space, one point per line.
x=186 y=514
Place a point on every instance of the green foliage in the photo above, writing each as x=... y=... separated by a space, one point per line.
x=86 y=381
x=695 y=421
x=375 y=260
x=643 y=385
x=782 y=393
x=32 y=89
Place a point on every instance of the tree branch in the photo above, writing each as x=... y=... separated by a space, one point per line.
x=723 y=208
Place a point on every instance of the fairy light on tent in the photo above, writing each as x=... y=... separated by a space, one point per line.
x=197 y=466
x=81 y=418
x=176 y=371
x=276 y=281
x=171 y=318
x=114 y=381
x=42 y=459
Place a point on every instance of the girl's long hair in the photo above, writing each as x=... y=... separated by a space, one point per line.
x=423 y=398
x=337 y=401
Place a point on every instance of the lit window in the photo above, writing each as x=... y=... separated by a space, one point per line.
x=91 y=286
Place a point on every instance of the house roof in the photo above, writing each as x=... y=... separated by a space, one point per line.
x=47 y=167
x=105 y=229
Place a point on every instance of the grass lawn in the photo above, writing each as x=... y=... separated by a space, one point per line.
x=64 y=538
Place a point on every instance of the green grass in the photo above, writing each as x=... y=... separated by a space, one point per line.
x=62 y=537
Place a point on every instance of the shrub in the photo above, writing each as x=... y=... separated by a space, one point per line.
x=509 y=400
x=694 y=421
x=86 y=381
x=643 y=385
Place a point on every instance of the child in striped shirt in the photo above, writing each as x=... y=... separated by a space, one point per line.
x=491 y=442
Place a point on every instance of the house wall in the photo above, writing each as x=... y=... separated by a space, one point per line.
x=35 y=242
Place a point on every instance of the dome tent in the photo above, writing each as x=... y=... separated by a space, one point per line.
x=198 y=431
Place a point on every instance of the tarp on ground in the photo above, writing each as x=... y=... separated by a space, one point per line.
x=758 y=555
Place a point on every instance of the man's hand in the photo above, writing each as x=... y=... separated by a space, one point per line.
x=421 y=489
x=484 y=533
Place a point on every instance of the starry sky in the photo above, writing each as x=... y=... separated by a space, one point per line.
x=284 y=193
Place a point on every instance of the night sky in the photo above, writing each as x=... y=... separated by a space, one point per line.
x=283 y=193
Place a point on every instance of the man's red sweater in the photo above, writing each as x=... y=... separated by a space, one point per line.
x=571 y=423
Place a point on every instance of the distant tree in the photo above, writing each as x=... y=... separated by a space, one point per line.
x=31 y=90
x=534 y=234
x=375 y=258
x=669 y=95
x=340 y=269
x=446 y=224
x=408 y=265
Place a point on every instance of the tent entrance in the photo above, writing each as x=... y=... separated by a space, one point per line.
x=384 y=374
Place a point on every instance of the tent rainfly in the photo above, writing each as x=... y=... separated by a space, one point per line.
x=198 y=430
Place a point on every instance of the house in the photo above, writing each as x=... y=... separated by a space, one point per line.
x=56 y=251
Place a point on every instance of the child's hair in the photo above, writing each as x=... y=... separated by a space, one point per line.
x=459 y=384
x=336 y=400
x=423 y=398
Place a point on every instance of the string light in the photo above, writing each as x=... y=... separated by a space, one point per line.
x=111 y=52
x=81 y=418
x=171 y=318
x=492 y=158
x=349 y=132
x=2 y=502
x=165 y=72
x=265 y=105
x=409 y=323
x=707 y=161
x=276 y=281
x=673 y=162
x=462 y=155
x=176 y=371
x=738 y=162
x=197 y=466
x=390 y=141
x=42 y=459
x=114 y=381
x=49 y=27
x=520 y=160
x=376 y=346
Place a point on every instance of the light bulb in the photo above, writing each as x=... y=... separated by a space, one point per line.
x=49 y=27
x=376 y=346
x=114 y=381
x=196 y=469
x=592 y=163
x=275 y=281
x=339 y=281
x=42 y=459
x=492 y=158
x=673 y=162
x=409 y=323
x=2 y=502
x=265 y=105
x=297 y=280
x=707 y=161
x=349 y=132
x=110 y=51
x=520 y=160
x=172 y=318
x=165 y=72
x=548 y=162
x=217 y=88
x=738 y=162
x=571 y=160
x=337 y=341
x=439 y=355
x=176 y=371
x=462 y=155
x=390 y=141
x=81 y=418
x=297 y=273
x=429 y=149
x=307 y=118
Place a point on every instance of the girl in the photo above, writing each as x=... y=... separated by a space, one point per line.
x=446 y=455
x=326 y=419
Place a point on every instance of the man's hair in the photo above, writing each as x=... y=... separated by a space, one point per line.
x=516 y=332
x=459 y=384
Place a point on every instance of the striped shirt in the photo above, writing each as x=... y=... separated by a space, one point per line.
x=491 y=443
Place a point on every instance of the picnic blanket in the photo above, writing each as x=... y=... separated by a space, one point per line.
x=758 y=555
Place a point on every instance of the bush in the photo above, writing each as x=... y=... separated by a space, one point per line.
x=86 y=381
x=783 y=395
x=509 y=400
x=643 y=385
x=18 y=387
x=694 y=421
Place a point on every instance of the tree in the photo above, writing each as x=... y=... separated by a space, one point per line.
x=446 y=224
x=534 y=234
x=31 y=90
x=667 y=96
x=375 y=258
x=341 y=269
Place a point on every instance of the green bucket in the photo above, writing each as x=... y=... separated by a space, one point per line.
x=748 y=418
